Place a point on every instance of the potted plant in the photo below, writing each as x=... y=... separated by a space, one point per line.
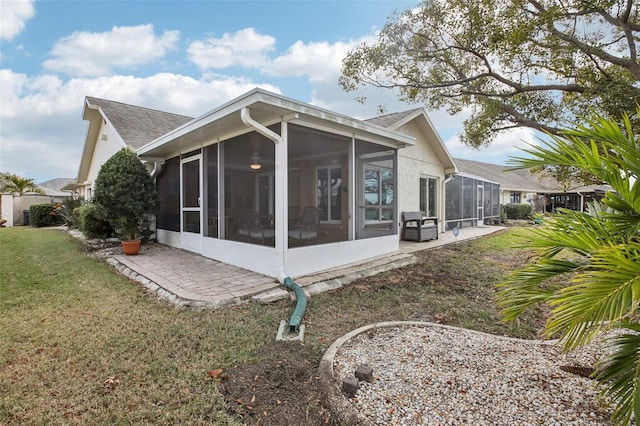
x=128 y=197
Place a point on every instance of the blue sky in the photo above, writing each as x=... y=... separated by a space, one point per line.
x=180 y=56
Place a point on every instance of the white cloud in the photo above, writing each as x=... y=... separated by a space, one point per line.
x=86 y=54
x=13 y=16
x=506 y=144
x=319 y=61
x=245 y=48
x=42 y=130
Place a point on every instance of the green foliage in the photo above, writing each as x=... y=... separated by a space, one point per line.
x=17 y=185
x=126 y=193
x=517 y=211
x=65 y=211
x=595 y=253
x=509 y=63
x=43 y=215
x=91 y=221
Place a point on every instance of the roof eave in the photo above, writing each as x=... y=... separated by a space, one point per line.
x=442 y=151
x=259 y=96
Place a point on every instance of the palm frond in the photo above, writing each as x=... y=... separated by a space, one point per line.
x=619 y=372
x=605 y=291
x=529 y=286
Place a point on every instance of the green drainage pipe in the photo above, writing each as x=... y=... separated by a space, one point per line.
x=301 y=304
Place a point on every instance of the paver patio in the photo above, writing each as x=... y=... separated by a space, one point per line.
x=188 y=279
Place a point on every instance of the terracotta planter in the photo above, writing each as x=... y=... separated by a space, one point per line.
x=131 y=247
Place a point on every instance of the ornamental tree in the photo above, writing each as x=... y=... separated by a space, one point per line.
x=126 y=194
x=528 y=63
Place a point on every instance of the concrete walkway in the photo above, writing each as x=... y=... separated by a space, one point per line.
x=188 y=279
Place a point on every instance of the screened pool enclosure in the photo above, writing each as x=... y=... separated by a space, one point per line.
x=470 y=202
x=278 y=187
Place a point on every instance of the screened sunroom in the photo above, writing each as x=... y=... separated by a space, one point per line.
x=470 y=201
x=277 y=186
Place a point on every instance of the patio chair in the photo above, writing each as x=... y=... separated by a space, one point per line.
x=307 y=231
x=251 y=228
x=414 y=227
x=294 y=215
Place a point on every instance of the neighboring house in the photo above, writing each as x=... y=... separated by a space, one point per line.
x=54 y=187
x=113 y=126
x=15 y=208
x=541 y=192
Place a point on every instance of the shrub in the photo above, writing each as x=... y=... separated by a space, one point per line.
x=65 y=211
x=517 y=211
x=91 y=221
x=43 y=215
x=585 y=266
x=126 y=193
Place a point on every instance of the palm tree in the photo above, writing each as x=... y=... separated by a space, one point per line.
x=18 y=185
x=594 y=257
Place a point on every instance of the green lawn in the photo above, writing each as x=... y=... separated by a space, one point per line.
x=78 y=343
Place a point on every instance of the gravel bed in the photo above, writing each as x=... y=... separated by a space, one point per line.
x=438 y=375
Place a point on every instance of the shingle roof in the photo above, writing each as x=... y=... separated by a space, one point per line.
x=515 y=179
x=519 y=180
x=137 y=125
x=53 y=186
x=389 y=120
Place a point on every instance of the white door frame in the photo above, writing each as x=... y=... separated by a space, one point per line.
x=190 y=240
x=480 y=214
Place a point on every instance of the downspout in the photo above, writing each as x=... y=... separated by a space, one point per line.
x=301 y=299
x=245 y=116
x=157 y=169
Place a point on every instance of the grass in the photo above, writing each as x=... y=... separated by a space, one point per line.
x=80 y=344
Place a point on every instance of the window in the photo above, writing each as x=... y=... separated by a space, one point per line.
x=514 y=198
x=428 y=196
x=329 y=193
x=378 y=194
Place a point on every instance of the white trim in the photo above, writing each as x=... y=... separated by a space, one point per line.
x=170 y=238
x=311 y=259
x=253 y=257
x=190 y=240
x=279 y=102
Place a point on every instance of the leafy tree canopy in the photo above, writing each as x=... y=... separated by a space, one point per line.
x=522 y=63
x=18 y=185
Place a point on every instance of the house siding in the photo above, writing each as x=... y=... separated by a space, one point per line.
x=102 y=151
x=415 y=162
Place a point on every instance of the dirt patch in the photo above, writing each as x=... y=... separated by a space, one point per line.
x=283 y=389
x=452 y=285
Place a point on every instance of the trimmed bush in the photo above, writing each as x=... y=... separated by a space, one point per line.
x=126 y=193
x=517 y=211
x=91 y=221
x=43 y=215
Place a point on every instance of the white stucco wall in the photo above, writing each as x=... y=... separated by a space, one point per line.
x=24 y=202
x=417 y=162
x=6 y=208
x=103 y=150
